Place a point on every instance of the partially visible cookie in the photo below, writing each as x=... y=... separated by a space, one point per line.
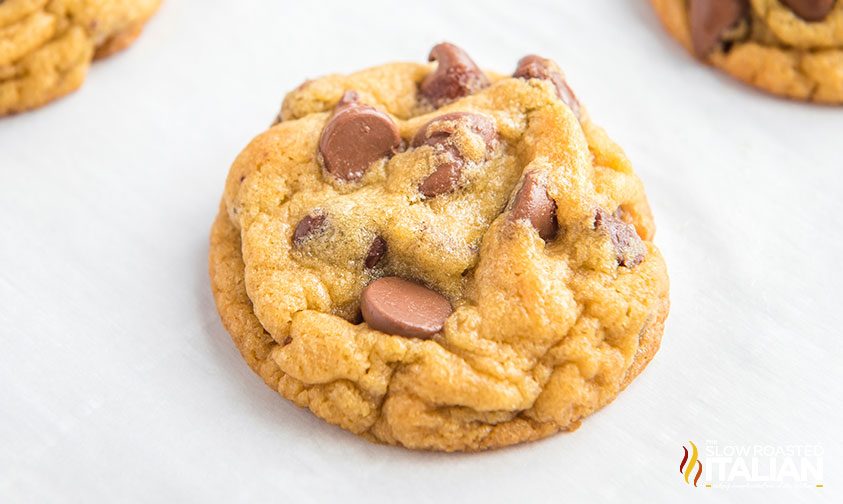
x=46 y=46
x=792 y=48
x=438 y=256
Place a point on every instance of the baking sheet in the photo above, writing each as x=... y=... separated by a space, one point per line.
x=118 y=383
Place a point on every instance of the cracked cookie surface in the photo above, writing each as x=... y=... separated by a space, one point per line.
x=46 y=46
x=791 y=48
x=439 y=257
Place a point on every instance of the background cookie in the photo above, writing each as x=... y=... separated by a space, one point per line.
x=492 y=205
x=792 y=48
x=46 y=46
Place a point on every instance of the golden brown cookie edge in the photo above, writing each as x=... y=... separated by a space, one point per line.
x=120 y=40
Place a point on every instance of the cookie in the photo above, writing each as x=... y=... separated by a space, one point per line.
x=440 y=257
x=791 y=48
x=46 y=46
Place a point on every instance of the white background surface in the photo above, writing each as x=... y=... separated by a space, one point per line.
x=118 y=383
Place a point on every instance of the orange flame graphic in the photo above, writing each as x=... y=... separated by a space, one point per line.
x=687 y=466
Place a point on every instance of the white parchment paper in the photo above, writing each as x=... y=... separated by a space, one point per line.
x=118 y=383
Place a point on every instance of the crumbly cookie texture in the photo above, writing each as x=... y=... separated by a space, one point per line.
x=440 y=257
x=46 y=46
x=791 y=48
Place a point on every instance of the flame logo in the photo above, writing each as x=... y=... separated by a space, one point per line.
x=687 y=466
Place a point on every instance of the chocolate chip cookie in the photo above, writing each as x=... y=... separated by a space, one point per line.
x=792 y=48
x=438 y=256
x=46 y=46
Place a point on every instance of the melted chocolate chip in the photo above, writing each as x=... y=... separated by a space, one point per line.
x=437 y=133
x=356 y=136
x=446 y=176
x=810 y=10
x=629 y=248
x=532 y=203
x=396 y=306
x=455 y=76
x=440 y=128
x=309 y=225
x=376 y=252
x=536 y=67
x=710 y=18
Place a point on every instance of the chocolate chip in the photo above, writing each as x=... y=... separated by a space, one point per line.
x=356 y=136
x=455 y=76
x=287 y=341
x=629 y=248
x=710 y=18
x=396 y=306
x=437 y=133
x=440 y=128
x=348 y=98
x=446 y=176
x=536 y=67
x=810 y=10
x=376 y=252
x=534 y=204
x=309 y=225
